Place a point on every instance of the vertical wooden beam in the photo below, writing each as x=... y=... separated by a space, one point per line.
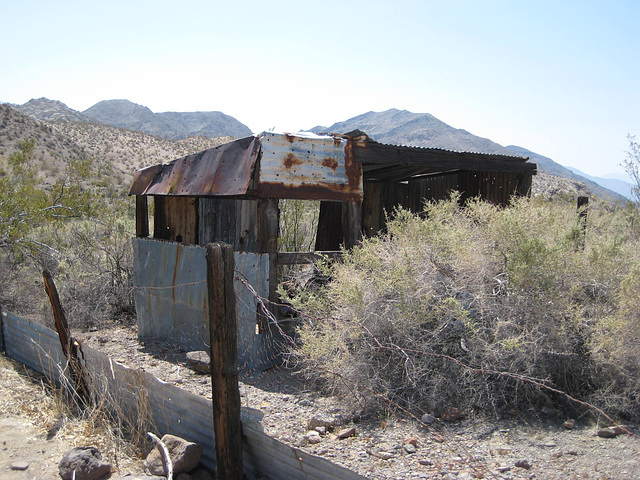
x=223 y=327
x=352 y=223
x=142 y=216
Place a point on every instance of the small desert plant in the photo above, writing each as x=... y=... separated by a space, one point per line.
x=482 y=308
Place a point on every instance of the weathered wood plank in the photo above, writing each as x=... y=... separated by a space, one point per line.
x=223 y=327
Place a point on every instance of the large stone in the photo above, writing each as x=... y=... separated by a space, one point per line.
x=86 y=462
x=199 y=361
x=184 y=455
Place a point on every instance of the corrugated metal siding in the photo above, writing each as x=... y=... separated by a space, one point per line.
x=172 y=410
x=308 y=167
x=33 y=345
x=171 y=299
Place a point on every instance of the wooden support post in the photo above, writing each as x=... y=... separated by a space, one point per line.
x=224 y=361
x=69 y=345
x=142 y=216
x=352 y=223
x=583 y=207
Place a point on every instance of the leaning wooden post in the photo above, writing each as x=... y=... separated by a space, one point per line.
x=69 y=345
x=223 y=328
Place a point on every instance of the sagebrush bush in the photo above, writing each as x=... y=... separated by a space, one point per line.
x=448 y=307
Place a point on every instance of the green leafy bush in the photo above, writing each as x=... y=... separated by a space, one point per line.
x=482 y=308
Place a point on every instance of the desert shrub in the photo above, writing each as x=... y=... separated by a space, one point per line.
x=481 y=308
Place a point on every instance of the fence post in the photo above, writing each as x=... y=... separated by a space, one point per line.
x=69 y=345
x=223 y=326
x=1 y=331
x=583 y=208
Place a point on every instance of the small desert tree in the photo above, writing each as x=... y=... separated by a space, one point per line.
x=631 y=164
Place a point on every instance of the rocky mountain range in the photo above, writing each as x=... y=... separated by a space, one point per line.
x=131 y=116
x=424 y=130
x=391 y=126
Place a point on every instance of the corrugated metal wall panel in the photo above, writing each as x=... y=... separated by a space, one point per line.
x=172 y=409
x=33 y=345
x=171 y=299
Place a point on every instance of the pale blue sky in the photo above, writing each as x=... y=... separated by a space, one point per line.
x=557 y=77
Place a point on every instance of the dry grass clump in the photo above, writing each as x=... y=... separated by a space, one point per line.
x=483 y=308
x=120 y=437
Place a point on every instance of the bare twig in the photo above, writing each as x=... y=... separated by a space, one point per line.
x=165 y=454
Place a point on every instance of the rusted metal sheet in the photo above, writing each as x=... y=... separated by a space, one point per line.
x=223 y=170
x=308 y=166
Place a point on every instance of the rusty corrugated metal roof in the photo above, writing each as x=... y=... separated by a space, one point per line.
x=223 y=170
x=309 y=166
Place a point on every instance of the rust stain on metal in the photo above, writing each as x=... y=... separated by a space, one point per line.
x=290 y=138
x=306 y=191
x=352 y=168
x=291 y=160
x=331 y=163
x=223 y=170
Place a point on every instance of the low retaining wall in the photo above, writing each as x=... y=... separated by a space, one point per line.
x=171 y=409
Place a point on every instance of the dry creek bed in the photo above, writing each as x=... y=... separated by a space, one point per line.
x=396 y=448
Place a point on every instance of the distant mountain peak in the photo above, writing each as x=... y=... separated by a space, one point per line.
x=123 y=113
x=50 y=110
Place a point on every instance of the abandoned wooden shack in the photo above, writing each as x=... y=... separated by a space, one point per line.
x=230 y=194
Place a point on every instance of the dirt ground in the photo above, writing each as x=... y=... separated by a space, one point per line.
x=466 y=449
x=33 y=434
x=470 y=448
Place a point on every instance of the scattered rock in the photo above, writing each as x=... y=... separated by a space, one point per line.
x=503 y=450
x=142 y=477
x=199 y=361
x=198 y=474
x=383 y=455
x=425 y=461
x=608 y=432
x=427 y=419
x=321 y=430
x=570 y=424
x=312 y=437
x=86 y=462
x=185 y=456
x=452 y=414
x=326 y=421
x=413 y=441
x=19 y=466
x=523 y=464
x=346 y=433
x=410 y=448
x=504 y=468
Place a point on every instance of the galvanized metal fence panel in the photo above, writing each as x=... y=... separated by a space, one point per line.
x=169 y=409
x=33 y=345
x=171 y=299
